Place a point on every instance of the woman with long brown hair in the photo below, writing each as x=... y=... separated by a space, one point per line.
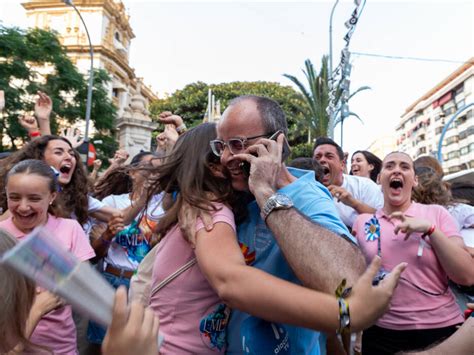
x=193 y=311
x=73 y=197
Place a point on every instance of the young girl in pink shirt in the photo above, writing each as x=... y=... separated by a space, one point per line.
x=31 y=189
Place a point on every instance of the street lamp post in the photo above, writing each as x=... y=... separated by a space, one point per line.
x=330 y=38
x=91 y=74
x=446 y=127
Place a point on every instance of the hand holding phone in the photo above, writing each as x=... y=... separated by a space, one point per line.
x=245 y=165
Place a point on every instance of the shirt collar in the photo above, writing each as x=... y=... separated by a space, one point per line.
x=410 y=212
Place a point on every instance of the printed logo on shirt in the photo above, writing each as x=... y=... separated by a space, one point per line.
x=249 y=256
x=134 y=242
x=213 y=327
x=262 y=337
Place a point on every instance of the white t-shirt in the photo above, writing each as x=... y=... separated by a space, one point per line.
x=94 y=204
x=464 y=216
x=131 y=245
x=362 y=189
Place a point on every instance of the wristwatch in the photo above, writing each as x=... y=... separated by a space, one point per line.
x=276 y=201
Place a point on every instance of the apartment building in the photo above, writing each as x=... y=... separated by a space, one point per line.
x=420 y=127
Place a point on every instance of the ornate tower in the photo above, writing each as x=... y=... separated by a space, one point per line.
x=111 y=37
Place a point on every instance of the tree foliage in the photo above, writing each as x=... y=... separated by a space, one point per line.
x=315 y=91
x=191 y=102
x=34 y=60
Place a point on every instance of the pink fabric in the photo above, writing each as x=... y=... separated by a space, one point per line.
x=186 y=300
x=56 y=330
x=411 y=308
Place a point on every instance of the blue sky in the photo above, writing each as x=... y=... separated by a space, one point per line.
x=182 y=42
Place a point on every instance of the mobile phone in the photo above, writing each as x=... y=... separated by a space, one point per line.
x=245 y=165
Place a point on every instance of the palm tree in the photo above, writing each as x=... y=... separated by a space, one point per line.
x=317 y=98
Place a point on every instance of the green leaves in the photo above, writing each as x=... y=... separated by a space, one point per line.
x=22 y=52
x=191 y=101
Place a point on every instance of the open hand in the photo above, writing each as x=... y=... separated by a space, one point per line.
x=73 y=136
x=410 y=225
x=367 y=302
x=45 y=302
x=43 y=106
x=187 y=217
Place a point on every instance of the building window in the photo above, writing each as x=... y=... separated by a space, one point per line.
x=422 y=150
x=459 y=89
x=453 y=155
x=438 y=130
x=117 y=36
x=115 y=92
x=469 y=114
x=466 y=133
x=464 y=150
x=451 y=140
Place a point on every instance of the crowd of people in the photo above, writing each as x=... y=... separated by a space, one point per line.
x=223 y=245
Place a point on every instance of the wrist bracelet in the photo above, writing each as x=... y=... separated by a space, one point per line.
x=429 y=232
x=34 y=134
x=344 y=316
x=181 y=128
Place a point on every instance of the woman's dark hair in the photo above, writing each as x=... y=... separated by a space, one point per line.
x=73 y=196
x=187 y=175
x=118 y=180
x=372 y=159
x=463 y=192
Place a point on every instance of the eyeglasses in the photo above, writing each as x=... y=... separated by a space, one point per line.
x=236 y=145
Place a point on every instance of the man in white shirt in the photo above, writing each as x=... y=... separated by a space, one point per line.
x=352 y=194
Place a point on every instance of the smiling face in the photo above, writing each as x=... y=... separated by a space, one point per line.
x=397 y=179
x=240 y=120
x=327 y=156
x=60 y=156
x=28 y=197
x=360 y=166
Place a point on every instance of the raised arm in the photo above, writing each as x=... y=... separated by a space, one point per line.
x=263 y=295
x=43 y=109
x=318 y=257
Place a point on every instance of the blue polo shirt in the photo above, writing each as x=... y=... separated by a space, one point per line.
x=252 y=335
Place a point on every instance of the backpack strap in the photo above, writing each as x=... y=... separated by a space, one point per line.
x=174 y=275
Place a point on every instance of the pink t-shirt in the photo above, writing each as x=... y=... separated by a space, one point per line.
x=56 y=330
x=192 y=317
x=411 y=308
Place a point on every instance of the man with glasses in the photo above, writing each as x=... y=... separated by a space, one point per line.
x=292 y=230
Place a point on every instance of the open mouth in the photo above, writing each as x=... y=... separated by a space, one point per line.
x=325 y=170
x=396 y=184
x=26 y=218
x=65 y=169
